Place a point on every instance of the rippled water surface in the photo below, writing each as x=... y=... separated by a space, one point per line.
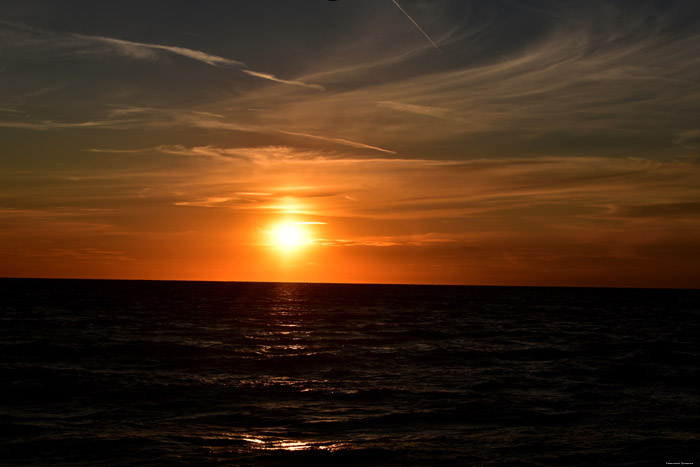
x=183 y=373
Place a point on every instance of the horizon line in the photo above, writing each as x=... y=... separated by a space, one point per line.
x=420 y=284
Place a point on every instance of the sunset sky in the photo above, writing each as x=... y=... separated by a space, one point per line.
x=454 y=142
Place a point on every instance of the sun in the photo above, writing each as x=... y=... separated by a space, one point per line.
x=289 y=236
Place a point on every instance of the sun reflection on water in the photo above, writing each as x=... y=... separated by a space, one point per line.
x=276 y=444
x=270 y=443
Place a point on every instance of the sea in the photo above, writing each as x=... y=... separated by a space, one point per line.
x=164 y=373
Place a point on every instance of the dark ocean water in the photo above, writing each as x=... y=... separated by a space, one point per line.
x=107 y=373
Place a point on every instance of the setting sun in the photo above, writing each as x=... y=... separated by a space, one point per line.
x=289 y=236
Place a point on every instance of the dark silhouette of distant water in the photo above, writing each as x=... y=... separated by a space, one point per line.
x=113 y=373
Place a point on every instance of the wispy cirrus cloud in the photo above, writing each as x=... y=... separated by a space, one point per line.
x=46 y=125
x=370 y=242
x=210 y=202
x=143 y=50
x=63 y=254
x=166 y=118
x=422 y=239
x=340 y=141
x=584 y=188
x=31 y=38
x=416 y=109
x=417 y=26
x=117 y=151
x=583 y=81
x=274 y=78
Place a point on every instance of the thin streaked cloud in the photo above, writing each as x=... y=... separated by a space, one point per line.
x=30 y=37
x=416 y=109
x=50 y=125
x=274 y=78
x=417 y=26
x=341 y=141
x=142 y=50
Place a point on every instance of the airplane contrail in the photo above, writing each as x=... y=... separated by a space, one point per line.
x=416 y=25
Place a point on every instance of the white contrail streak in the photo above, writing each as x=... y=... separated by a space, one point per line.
x=416 y=25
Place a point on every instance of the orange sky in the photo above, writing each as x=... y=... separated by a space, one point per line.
x=555 y=145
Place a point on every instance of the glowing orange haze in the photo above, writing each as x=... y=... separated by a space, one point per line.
x=440 y=222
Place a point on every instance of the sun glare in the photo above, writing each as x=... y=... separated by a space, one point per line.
x=289 y=236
